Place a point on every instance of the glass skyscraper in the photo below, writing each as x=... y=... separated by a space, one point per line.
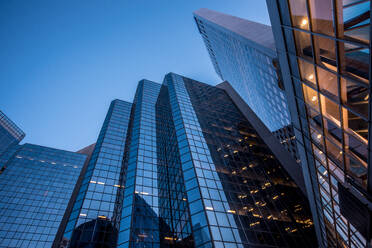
x=10 y=134
x=36 y=184
x=185 y=165
x=90 y=219
x=243 y=53
x=197 y=174
x=324 y=53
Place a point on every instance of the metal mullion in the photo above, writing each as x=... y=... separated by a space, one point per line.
x=369 y=157
x=355 y=3
x=359 y=83
x=318 y=204
x=335 y=22
x=329 y=37
x=319 y=104
x=339 y=84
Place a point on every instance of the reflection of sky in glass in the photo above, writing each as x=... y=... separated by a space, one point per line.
x=34 y=192
x=97 y=193
x=250 y=70
x=355 y=10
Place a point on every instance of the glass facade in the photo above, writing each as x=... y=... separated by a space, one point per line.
x=90 y=222
x=287 y=138
x=243 y=53
x=140 y=225
x=10 y=134
x=180 y=167
x=35 y=187
x=196 y=174
x=325 y=55
x=246 y=196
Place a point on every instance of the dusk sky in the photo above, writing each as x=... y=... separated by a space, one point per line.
x=62 y=62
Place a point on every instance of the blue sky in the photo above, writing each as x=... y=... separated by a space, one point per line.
x=62 y=62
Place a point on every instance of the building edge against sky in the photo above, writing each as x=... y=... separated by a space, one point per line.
x=162 y=212
x=206 y=179
x=153 y=211
x=324 y=53
x=243 y=53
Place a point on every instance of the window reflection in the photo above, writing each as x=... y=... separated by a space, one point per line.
x=316 y=136
x=334 y=151
x=299 y=13
x=355 y=124
x=356 y=168
x=321 y=16
x=307 y=71
x=303 y=44
x=354 y=20
x=354 y=61
x=311 y=97
x=325 y=52
x=330 y=109
x=328 y=83
x=355 y=96
x=356 y=145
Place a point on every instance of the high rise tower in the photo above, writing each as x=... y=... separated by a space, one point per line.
x=10 y=136
x=90 y=219
x=243 y=53
x=35 y=187
x=324 y=53
x=197 y=174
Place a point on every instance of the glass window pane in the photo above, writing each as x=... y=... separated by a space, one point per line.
x=333 y=131
x=325 y=52
x=311 y=97
x=299 y=13
x=328 y=83
x=316 y=136
x=321 y=16
x=356 y=168
x=307 y=71
x=303 y=44
x=354 y=61
x=354 y=21
x=334 y=151
x=354 y=124
x=355 y=96
x=356 y=145
x=330 y=109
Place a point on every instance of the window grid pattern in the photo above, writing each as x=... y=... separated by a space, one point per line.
x=94 y=206
x=34 y=192
x=10 y=133
x=139 y=224
x=330 y=70
x=197 y=166
x=173 y=205
x=268 y=208
x=250 y=69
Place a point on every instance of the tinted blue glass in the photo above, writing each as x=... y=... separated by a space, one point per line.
x=35 y=189
x=10 y=135
x=93 y=211
x=243 y=53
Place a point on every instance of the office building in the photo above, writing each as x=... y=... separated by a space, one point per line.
x=36 y=184
x=197 y=174
x=185 y=165
x=243 y=53
x=324 y=52
x=10 y=134
x=90 y=217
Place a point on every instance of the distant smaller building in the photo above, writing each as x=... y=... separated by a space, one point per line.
x=36 y=184
x=10 y=133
